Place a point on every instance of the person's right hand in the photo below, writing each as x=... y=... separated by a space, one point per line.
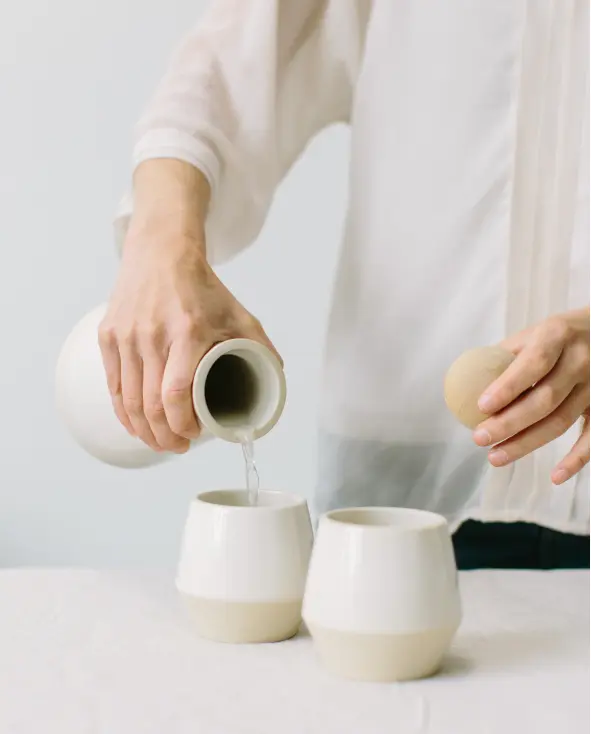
x=167 y=310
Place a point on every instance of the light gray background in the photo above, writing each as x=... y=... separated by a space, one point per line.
x=73 y=79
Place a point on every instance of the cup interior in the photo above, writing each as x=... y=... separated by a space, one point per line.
x=387 y=517
x=240 y=498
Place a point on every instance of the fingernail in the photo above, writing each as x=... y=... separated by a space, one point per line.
x=559 y=476
x=482 y=437
x=498 y=457
x=486 y=404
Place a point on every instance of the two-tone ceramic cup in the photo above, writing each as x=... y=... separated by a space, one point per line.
x=382 y=600
x=242 y=570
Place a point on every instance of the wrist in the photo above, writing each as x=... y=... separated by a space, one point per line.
x=170 y=202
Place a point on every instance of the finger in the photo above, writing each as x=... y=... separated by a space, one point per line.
x=264 y=339
x=132 y=379
x=177 y=387
x=112 y=365
x=576 y=458
x=531 y=364
x=554 y=425
x=517 y=342
x=154 y=365
x=530 y=408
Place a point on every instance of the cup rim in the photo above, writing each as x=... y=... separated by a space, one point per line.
x=426 y=520
x=286 y=500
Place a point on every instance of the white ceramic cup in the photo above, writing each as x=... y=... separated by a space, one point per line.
x=382 y=600
x=242 y=569
x=239 y=384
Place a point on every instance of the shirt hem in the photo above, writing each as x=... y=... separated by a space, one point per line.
x=571 y=528
x=172 y=143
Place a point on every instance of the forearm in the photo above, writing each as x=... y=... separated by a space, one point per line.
x=170 y=197
x=247 y=89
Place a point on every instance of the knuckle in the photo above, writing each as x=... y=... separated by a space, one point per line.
x=251 y=323
x=191 y=327
x=133 y=406
x=107 y=336
x=151 y=334
x=127 y=337
x=114 y=387
x=503 y=427
x=154 y=411
x=558 y=330
x=177 y=394
x=544 y=359
x=580 y=360
x=547 y=398
x=507 y=392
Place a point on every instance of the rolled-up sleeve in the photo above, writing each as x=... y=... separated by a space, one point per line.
x=244 y=94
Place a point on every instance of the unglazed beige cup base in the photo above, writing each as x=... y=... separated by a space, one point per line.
x=244 y=622
x=381 y=657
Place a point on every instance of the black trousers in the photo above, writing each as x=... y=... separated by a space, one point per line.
x=519 y=546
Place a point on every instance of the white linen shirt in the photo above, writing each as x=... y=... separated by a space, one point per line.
x=467 y=220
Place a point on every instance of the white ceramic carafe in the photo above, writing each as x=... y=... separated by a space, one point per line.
x=239 y=385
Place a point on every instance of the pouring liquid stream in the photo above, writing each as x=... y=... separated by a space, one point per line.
x=251 y=473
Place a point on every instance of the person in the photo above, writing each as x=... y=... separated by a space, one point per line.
x=467 y=225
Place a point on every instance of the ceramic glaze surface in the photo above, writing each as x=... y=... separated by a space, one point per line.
x=382 y=574
x=84 y=403
x=236 y=552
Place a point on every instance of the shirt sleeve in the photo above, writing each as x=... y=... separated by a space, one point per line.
x=244 y=94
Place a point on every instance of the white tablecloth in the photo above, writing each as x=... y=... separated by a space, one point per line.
x=88 y=652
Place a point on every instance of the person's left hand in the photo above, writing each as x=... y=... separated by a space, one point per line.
x=541 y=394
